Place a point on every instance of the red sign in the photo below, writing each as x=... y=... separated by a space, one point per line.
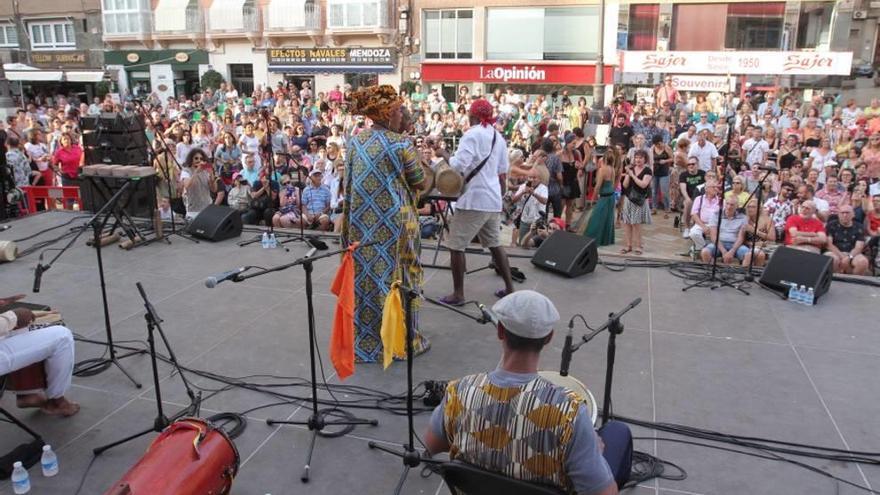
x=487 y=72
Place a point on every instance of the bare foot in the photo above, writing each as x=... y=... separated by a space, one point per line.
x=60 y=407
x=27 y=401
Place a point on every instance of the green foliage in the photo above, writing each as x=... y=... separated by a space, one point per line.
x=211 y=79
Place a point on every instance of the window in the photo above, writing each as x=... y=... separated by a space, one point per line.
x=448 y=33
x=754 y=26
x=643 y=20
x=125 y=16
x=8 y=35
x=354 y=13
x=553 y=33
x=52 y=35
x=814 y=24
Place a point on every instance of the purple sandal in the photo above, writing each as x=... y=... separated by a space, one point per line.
x=451 y=301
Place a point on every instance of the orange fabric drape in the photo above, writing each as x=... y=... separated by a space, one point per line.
x=342 y=337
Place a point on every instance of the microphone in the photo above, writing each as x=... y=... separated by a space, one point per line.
x=38 y=274
x=213 y=280
x=486 y=317
x=311 y=252
x=566 y=351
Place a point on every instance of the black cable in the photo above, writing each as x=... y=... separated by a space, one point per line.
x=49 y=229
x=222 y=419
x=647 y=467
x=85 y=474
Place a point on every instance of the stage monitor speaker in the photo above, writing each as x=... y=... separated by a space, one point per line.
x=788 y=265
x=568 y=254
x=216 y=223
x=112 y=122
x=138 y=201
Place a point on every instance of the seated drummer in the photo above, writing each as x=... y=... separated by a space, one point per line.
x=514 y=406
x=54 y=345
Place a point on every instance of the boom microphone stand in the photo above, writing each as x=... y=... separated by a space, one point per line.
x=317 y=420
x=614 y=328
x=97 y=225
x=749 y=277
x=161 y=422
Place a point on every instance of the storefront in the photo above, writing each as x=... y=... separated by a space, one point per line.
x=543 y=79
x=169 y=73
x=51 y=73
x=325 y=68
x=699 y=70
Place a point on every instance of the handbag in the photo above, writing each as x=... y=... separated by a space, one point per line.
x=635 y=196
x=473 y=173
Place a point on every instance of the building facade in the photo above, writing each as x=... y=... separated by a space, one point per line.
x=60 y=44
x=252 y=43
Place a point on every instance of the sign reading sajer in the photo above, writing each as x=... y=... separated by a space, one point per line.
x=739 y=63
x=332 y=59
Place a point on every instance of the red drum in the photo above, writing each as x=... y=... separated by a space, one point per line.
x=28 y=379
x=191 y=457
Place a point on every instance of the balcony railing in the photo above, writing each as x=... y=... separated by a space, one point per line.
x=193 y=22
x=127 y=24
x=234 y=20
x=358 y=14
x=285 y=16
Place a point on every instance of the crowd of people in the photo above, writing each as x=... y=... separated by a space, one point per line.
x=679 y=154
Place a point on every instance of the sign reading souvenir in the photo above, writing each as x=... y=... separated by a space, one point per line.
x=513 y=73
x=379 y=59
x=59 y=59
x=739 y=63
x=704 y=83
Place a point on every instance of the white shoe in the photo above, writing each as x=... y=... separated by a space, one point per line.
x=685 y=234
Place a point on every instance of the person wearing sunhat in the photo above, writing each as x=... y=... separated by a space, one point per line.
x=492 y=420
x=482 y=159
x=382 y=175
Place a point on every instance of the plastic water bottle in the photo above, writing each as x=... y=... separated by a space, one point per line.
x=49 y=462
x=802 y=295
x=21 y=483
x=792 y=293
x=811 y=297
x=273 y=242
x=265 y=240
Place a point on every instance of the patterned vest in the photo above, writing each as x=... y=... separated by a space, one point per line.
x=522 y=432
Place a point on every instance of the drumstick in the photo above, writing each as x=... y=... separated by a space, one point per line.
x=40 y=314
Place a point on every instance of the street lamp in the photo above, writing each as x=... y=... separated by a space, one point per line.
x=599 y=85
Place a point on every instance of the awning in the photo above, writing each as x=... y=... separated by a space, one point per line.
x=226 y=15
x=286 y=14
x=170 y=15
x=332 y=69
x=84 y=75
x=22 y=72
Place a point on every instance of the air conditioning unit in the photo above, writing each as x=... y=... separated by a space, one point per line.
x=860 y=14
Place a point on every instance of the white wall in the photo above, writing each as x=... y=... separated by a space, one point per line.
x=240 y=52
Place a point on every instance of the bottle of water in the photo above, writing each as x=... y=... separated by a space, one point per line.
x=21 y=483
x=273 y=242
x=792 y=292
x=265 y=240
x=811 y=297
x=802 y=295
x=49 y=462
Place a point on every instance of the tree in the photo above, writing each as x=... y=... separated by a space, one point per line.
x=211 y=79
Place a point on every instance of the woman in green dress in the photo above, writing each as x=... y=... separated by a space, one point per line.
x=601 y=224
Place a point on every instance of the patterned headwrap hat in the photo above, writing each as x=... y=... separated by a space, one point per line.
x=482 y=110
x=376 y=102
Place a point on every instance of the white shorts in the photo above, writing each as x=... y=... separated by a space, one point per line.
x=465 y=224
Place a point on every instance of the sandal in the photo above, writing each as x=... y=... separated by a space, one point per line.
x=452 y=301
x=501 y=293
x=625 y=250
x=637 y=251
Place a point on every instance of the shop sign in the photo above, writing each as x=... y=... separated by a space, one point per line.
x=59 y=59
x=181 y=57
x=133 y=58
x=513 y=73
x=332 y=58
x=704 y=83
x=739 y=63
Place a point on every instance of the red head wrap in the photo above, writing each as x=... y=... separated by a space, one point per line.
x=482 y=110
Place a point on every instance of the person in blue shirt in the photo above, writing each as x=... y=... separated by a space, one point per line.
x=316 y=199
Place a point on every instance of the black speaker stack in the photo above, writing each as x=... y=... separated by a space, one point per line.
x=216 y=223
x=792 y=266
x=567 y=254
x=115 y=139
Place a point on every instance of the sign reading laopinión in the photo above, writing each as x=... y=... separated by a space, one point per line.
x=332 y=59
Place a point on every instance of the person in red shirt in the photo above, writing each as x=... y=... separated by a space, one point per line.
x=68 y=158
x=805 y=231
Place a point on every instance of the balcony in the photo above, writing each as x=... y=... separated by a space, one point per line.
x=292 y=18
x=178 y=19
x=234 y=18
x=122 y=26
x=359 y=17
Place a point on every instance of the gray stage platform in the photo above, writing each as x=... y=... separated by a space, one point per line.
x=713 y=359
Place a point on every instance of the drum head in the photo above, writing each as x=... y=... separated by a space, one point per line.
x=449 y=182
x=575 y=386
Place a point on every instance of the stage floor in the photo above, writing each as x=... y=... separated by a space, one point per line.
x=753 y=365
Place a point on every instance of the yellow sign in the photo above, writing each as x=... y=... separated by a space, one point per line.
x=59 y=58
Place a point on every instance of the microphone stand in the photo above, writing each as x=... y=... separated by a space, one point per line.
x=712 y=279
x=410 y=456
x=749 y=277
x=615 y=328
x=154 y=323
x=317 y=420
x=97 y=225
x=300 y=185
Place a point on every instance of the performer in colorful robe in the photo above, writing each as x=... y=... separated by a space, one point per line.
x=382 y=177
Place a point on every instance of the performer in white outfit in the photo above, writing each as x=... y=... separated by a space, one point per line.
x=54 y=345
